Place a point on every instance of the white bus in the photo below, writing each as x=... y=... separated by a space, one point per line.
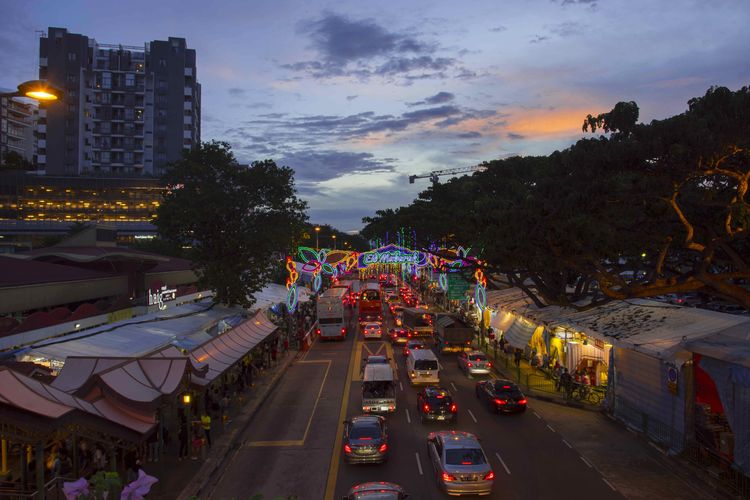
x=332 y=313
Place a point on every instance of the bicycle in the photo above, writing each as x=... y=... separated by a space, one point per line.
x=586 y=393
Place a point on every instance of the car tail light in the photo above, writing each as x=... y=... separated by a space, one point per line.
x=454 y=408
x=468 y=342
x=448 y=477
x=500 y=401
x=426 y=408
x=406 y=351
x=343 y=330
x=469 y=365
x=317 y=331
x=521 y=401
x=380 y=332
x=409 y=334
x=489 y=364
x=383 y=448
x=489 y=476
x=413 y=374
x=347 y=448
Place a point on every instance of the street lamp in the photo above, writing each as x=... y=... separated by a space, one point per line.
x=317 y=232
x=41 y=90
x=334 y=241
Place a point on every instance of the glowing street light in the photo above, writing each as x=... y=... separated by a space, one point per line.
x=334 y=241
x=317 y=232
x=41 y=90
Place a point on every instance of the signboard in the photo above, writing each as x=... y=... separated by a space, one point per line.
x=672 y=377
x=392 y=254
x=159 y=297
x=457 y=286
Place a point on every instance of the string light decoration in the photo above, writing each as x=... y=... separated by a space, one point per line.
x=480 y=292
x=291 y=285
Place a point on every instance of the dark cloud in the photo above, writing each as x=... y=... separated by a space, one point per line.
x=351 y=97
x=567 y=29
x=363 y=49
x=322 y=165
x=235 y=92
x=469 y=135
x=498 y=29
x=538 y=39
x=258 y=105
x=439 y=98
x=515 y=137
x=431 y=113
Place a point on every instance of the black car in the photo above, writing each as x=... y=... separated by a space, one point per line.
x=366 y=440
x=435 y=403
x=501 y=396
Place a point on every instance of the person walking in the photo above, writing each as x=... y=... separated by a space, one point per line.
x=206 y=424
x=566 y=381
x=517 y=358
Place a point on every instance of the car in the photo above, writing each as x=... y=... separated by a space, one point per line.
x=474 y=363
x=377 y=490
x=377 y=359
x=399 y=336
x=501 y=396
x=413 y=344
x=436 y=404
x=366 y=439
x=372 y=330
x=460 y=465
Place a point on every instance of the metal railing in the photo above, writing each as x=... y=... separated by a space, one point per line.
x=719 y=467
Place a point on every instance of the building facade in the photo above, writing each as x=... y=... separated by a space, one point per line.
x=17 y=121
x=125 y=110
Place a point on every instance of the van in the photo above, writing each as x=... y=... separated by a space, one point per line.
x=378 y=388
x=422 y=367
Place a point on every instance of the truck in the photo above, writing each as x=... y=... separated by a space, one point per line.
x=332 y=314
x=378 y=388
x=452 y=334
x=418 y=320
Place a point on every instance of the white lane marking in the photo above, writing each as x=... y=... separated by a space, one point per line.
x=567 y=444
x=550 y=428
x=503 y=463
x=657 y=448
x=408 y=417
x=537 y=415
x=419 y=464
x=440 y=367
x=609 y=484
x=454 y=387
x=472 y=416
x=401 y=386
x=587 y=462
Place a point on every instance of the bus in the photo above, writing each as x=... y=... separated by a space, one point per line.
x=378 y=389
x=370 y=305
x=332 y=313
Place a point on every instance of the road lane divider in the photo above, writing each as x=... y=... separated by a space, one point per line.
x=608 y=484
x=333 y=467
x=550 y=428
x=419 y=464
x=454 y=387
x=502 y=462
x=537 y=415
x=401 y=386
x=567 y=444
x=408 y=417
x=587 y=462
x=472 y=416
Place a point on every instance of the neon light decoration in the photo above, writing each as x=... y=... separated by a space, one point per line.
x=480 y=292
x=443 y=281
x=392 y=254
x=317 y=282
x=291 y=285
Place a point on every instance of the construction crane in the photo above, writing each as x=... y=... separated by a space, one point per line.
x=433 y=176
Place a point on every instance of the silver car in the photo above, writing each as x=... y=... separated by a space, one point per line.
x=460 y=463
x=474 y=363
x=378 y=490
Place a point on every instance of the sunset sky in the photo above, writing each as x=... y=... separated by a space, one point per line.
x=355 y=96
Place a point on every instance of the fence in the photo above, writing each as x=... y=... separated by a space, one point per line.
x=719 y=468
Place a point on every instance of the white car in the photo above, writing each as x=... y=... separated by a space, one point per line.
x=372 y=330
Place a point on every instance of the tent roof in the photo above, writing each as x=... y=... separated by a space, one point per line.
x=647 y=326
x=226 y=349
x=135 y=337
x=272 y=294
x=732 y=345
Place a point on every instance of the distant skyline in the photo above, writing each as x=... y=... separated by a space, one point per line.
x=356 y=96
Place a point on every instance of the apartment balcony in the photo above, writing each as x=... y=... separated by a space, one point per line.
x=41 y=128
x=41 y=158
x=188 y=91
x=187 y=106
x=188 y=71
x=43 y=62
x=187 y=134
x=41 y=143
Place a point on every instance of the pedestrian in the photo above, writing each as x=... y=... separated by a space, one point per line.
x=182 y=435
x=274 y=353
x=517 y=358
x=206 y=424
x=153 y=447
x=566 y=381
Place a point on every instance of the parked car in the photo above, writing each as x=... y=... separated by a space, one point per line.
x=377 y=490
x=474 y=363
x=501 y=396
x=366 y=439
x=436 y=404
x=460 y=464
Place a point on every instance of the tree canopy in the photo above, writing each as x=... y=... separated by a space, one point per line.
x=647 y=210
x=240 y=221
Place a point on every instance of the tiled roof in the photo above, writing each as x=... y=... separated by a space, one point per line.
x=19 y=272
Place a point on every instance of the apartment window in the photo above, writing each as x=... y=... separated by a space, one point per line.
x=162 y=85
x=107 y=80
x=72 y=93
x=105 y=156
x=106 y=98
x=161 y=99
x=71 y=108
x=71 y=78
x=71 y=56
x=161 y=156
x=162 y=113
x=161 y=142
x=128 y=156
x=129 y=113
x=129 y=80
x=105 y=127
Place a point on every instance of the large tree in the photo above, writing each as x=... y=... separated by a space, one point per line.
x=238 y=220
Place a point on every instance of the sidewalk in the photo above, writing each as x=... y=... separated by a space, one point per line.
x=186 y=479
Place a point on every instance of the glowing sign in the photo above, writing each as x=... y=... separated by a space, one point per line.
x=392 y=254
x=158 y=297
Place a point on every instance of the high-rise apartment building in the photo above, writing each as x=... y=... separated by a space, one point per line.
x=17 y=121
x=125 y=110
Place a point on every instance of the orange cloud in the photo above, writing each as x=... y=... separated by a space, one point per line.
x=544 y=122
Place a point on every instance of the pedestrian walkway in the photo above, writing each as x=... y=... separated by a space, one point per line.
x=185 y=478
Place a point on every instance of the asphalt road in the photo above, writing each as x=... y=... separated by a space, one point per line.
x=530 y=459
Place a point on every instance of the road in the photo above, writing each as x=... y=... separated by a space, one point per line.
x=293 y=445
